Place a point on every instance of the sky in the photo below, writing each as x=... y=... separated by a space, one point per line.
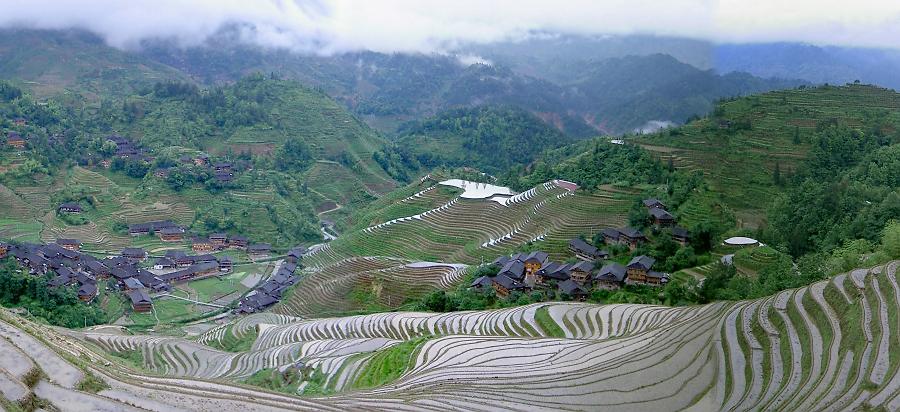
x=333 y=26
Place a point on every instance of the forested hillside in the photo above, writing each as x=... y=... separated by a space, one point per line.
x=291 y=152
x=488 y=138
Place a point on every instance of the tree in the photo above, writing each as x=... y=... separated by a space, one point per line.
x=890 y=239
x=776 y=175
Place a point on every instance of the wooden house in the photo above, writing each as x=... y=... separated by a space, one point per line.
x=259 y=249
x=586 y=251
x=202 y=245
x=4 y=250
x=581 y=272
x=19 y=121
x=202 y=159
x=171 y=234
x=552 y=272
x=653 y=203
x=573 y=289
x=226 y=264
x=610 y=277
x=504 y=285
x=69 y=244
x=661 y=217
x=132 y=284
x=69 y=207
x=87 y=292
x=238 y=242
x=164 y=263
x=140 y=301
x=219 y=240
x=639 y=271
x=611 y=236
x=533 y=262
x=134 y=254
x=631 y=237
x=15 y=140
x=680 y=235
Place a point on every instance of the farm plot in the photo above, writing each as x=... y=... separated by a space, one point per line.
x=821 y=347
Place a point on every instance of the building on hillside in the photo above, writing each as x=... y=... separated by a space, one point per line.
x=140 y=301
x=514 y=269
x=504 y=285
x=164 y=263
x=191 y=272
x=534 y=261
x=631 y=237
x=171 y=234
x=226 y=264
x=294 y=255
x=638 y=271
x=134 y=254
x=15 y=140
x=238 y=241
x=201 y=245
x=586 y=251
x=69 y=244
x=653 y=203
x=259 y=249
x=132 y=284
x=552 y=272
x=610 y=277
x=146 y=228
x=611 y=236
x=20 y=121
x=681 y=235
x=481 y=283
x=661 y=217
x=223 y=167
x=162 y=172
x=4 y=250
x=581 y=272
x=202 y=159
x=223 y=176
x=87 y=292
x=69 y=207
x=573 y=289
x=219 y=240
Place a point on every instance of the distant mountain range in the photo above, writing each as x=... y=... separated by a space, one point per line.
x=608 y=95
x=553 y=57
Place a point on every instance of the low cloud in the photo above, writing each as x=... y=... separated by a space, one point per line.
x=332 y=26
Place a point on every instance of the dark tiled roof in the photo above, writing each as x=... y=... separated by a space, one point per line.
x=631 y=232
x=643 y=262
x=612 y=272
x=609 y=232
x=661 y=213
x=481 y=282
x=513 y=269
x=653 y=202
x=139 y=296
x=507 y=282
x=680 y=232
x=571 y=288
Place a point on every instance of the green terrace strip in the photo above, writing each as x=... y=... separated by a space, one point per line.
x=547 y=324
x=389 y=364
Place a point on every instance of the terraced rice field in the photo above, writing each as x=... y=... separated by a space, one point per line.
x=431 y=222
x=821 y=347
x=740 y=164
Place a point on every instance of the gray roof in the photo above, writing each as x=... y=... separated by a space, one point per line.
x=631 y=232
x=536 y=256
x=483 y=281
x=571 y=288
x=661 y=213
x=582 y=266
x=507 y=282
x=653 y=202
x=680 y=232
x=612 y=272
x=514 y=269
x=643 y=262
x=138 y=296
x=610 y=232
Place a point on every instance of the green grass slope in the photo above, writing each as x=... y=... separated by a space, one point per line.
x=742 y=143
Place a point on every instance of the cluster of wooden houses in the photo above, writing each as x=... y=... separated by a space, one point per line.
x=524 y=272
x=270 y=292
x=15 y=140
x=68 y=266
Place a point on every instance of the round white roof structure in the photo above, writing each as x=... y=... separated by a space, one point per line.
x=741 y=241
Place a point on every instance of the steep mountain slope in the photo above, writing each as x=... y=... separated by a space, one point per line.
x=795 y=350
x=487 y=138
x=745 y=140
x=75 y=62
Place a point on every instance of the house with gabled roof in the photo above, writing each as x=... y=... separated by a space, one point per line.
x=552 y=272
x=581 y=272
x=681 y=235
x=504 y=285
x=653 y=203
x=638 y=271
x=631 y=237
x=201 y=244
x=69 y=244
x=87 y=292
x=661 y=217
x=586 y=251
x=610 y=276
x=573 y=289
x=140 y=300
x=69 y=207
x=15 y=140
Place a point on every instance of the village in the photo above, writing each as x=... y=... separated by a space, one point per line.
x=142 y=278
x=593 y=268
